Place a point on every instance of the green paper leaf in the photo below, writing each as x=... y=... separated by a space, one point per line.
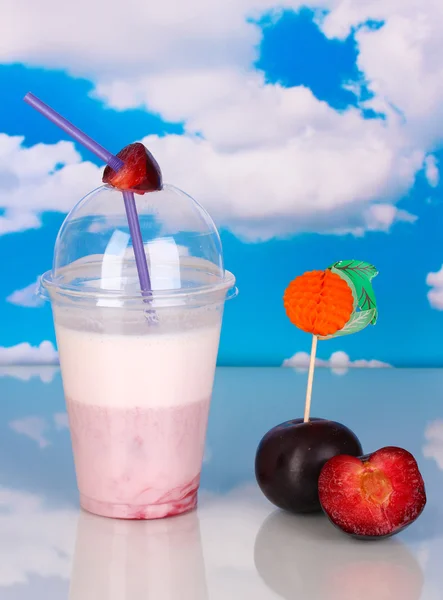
x=359 y=275
x=357 y=322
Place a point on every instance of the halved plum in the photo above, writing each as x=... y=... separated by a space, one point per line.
x=373 y=496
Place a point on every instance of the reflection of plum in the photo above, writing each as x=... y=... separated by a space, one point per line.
x=135 y=560
x=306 y=558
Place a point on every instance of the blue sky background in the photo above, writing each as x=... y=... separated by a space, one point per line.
x=292 y=51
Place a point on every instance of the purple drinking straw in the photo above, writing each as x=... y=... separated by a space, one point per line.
x=116 y=164
x=78 y=135
x=137 y=242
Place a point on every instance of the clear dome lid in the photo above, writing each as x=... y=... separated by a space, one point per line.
x=94 y=257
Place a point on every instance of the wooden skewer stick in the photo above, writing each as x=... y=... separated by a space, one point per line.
x=310 y=378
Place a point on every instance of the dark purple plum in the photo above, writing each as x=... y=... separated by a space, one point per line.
x=291 y=455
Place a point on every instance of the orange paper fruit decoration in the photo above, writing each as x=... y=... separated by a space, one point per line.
x=337 y=301
x=319 y=302
x=330 y=303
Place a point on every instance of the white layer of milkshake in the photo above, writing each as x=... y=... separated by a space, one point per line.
x=147 y=371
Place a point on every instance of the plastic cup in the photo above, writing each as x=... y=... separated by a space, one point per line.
x=138 y=390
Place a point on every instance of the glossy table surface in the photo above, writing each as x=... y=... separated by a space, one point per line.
x=236 y=545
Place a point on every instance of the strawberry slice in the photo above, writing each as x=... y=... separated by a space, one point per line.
x=373 y=496
x=140 y=172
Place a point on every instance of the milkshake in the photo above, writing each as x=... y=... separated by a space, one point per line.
x=137 y=288
x=138 y=366
x=138 y=408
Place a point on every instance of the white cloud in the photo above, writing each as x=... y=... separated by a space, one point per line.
x=431 y=170
x=33 y=428
x=207 y=455
x=35 y=540
x=25 y=297
x=434 y=442
x=339 y=362
x=327 y=172
x=402 y=60
x=261 y=192
x=271 y=161
x=25 y=354
x=15 y=220
x=46 y=373
x=307 y=158
x=61 y=421
x=277 y=160
x=44 y=177
x=435 y=294
x=149 y=37
x=37 y=428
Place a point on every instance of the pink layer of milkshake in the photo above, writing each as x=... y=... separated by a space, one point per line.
x=138 y=409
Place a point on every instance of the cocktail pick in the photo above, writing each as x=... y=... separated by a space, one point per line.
x=335 y=302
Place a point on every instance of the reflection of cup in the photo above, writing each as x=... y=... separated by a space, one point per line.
x=138 y=371
x=305 y=557
x=131 y=560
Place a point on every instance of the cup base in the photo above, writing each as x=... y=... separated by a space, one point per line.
x=139 y=511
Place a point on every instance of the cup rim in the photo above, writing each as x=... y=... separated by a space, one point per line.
x=47 y=284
